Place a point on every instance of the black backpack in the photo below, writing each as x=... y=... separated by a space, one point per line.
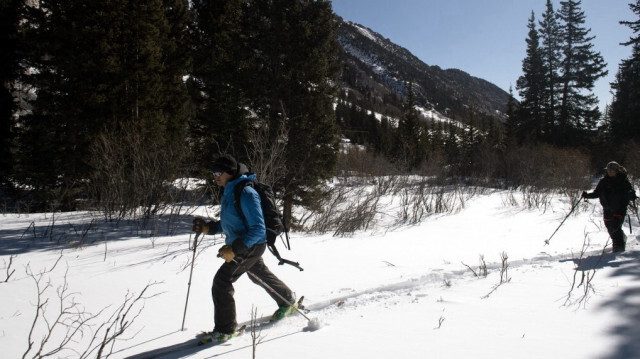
x=273 y=220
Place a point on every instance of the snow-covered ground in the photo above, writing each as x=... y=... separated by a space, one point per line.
x=392 y=291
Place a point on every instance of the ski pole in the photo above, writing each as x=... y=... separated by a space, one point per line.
x=193 y=260
x=565 y=218
x=635 y=209
x=268 y=287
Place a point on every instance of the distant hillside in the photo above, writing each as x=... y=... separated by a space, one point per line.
x=377 y=71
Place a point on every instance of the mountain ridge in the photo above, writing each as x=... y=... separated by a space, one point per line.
x=377 y=71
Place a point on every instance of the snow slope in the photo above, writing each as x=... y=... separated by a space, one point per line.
x=401 y=291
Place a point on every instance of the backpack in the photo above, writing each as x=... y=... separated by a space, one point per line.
x=273 y=219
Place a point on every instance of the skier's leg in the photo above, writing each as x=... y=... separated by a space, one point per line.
x=224 y=305
x=614 y=227
x=260 y=270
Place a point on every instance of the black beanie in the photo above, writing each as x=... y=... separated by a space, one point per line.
x=225 y=163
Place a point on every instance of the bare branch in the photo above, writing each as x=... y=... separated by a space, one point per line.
x=70 y=323
x=9 y=270
x=256 y=337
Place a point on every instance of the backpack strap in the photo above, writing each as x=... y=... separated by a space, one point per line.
x=281 y=261
x=237 y=192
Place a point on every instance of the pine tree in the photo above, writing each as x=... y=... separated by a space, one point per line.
x=385 y=133
x=409 y=152
x=625 y=107
x=10 y=15
x=223 y=71
x=470 y=140
x=581 y=67
x=512 y=122
x=551 y=58
x=54 y=137
x=269 y=63
x=531 y=88
x=452 y=147
x=112 y=68
x=296 y=66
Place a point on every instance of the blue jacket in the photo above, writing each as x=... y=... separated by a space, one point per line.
x=232 y=225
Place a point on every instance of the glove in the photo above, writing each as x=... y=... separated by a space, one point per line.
x=200 y=226
x=226 y=252
x=584 y=194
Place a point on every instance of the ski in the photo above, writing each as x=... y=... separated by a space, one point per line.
x=291 y=312
x=204 y=340
x=209 y=339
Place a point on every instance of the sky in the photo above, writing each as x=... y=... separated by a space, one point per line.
x=486 y=38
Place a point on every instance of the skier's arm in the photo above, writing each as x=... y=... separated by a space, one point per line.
x=595 y=193
x=630 y=192
x=252 y=210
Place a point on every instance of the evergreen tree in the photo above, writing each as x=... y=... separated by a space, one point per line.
x=551 y=57
x=470 y=140
x=313 y=71
x=272 y=62
x=10 y=15
x=409 y=149
x=385 y=133
x=295 y=53
x=512 y=122
x=222 y=75
x=105 y=67
x=452 y=147
x=54 y=137
x=581 y=67
x=625 y=107
x=531 y=88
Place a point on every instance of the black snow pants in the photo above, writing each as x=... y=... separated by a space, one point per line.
x=614 y=223
x=224 y=306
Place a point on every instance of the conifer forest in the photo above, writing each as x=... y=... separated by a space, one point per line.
x=104 y=105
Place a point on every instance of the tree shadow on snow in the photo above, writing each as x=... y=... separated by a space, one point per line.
x=627 y=304
x=75 y=232
x=597 y=260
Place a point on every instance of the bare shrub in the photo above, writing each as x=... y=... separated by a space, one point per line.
x=545 y=167
x=354 y=161
x=482 y=268
x=583 y=275
x=344 y=210
x=352 y=204
x=628 y=154
x=132 y=175
x=266 y=151
x=504 y=274
x=256 y=332
x=504 y=269
x=54 y=330
x=358 y=216
x=423 y=198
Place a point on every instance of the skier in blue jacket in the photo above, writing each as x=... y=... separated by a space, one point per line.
x=245 y=242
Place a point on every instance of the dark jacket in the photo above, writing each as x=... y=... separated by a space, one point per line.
x=614 y=194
